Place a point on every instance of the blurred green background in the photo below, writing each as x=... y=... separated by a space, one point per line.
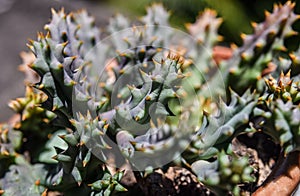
x=236 y=14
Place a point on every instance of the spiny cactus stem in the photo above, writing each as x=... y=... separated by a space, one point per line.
x=109 y=115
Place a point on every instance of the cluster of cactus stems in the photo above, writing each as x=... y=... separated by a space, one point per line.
x=150 y=104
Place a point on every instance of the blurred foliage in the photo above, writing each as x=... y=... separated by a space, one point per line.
x=236 y=14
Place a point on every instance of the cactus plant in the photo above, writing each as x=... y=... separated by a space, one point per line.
x=225 y=174
x=281 y=111
x=149 y=97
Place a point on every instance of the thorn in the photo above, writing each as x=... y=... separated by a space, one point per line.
x=5 y=131
x=48 y=35
x=72 y=82
x=282 y=48
x=188 y=74
x=152 y=125
x=233 y=46
x=130 y=87
x=205 y=113
x=183 y=94
x=142 y=72
x=49 y=136
x=122 y=71
x=37 y=182
x=244 y=56
x=102 y=84
x=259 y=45
x=41 y=86
x=17 y=125
x=54 y=108
x=137 y=118
x=267 y=14
x=258 y=77
x=243 y=36
x=72 y=121
x=45 y=193
x=293 y=57
x=180 y=76
x=65 y=44
x=281 y=74
x=5 y=152
x=60 y=66
x=40 y=35
x=53 y=12
x=155 y=61
x=30 y=47
x=84 y=163
x=142 y=149
x=31 y=41
x=106 y=126
x=107 y=146
x=220 y=38
x=142 y=50
x=288 y=74
x=254 y=24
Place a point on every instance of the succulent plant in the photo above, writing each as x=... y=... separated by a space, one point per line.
x=23 y=179
x=150 y=97
x=225 y=173
x=260 y=48
x=279 y=108
x=59 y=55
x=9 y=143
x=35 y=122
x=216 y=132
x=205 y=34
